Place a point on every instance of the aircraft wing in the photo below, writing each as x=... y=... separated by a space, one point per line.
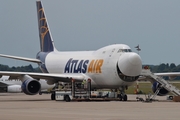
x=3 y=84
x=64 y=77
x=170 y=74
x=7 y=83
x=21 y=58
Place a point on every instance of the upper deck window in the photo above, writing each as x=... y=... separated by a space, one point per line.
x=124 y=50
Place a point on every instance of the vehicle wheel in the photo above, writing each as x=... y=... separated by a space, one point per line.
x=125 y=98
x=67 y=98
x=52 y=96
x=40 y=93
x=170 y=97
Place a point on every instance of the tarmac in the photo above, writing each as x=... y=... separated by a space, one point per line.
x=18 y=106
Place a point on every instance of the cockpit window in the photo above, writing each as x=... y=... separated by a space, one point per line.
x=120 y=50
x=124 y=50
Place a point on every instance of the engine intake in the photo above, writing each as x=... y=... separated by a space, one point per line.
x=31 y=87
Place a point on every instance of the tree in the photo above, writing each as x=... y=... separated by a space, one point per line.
x=172 y=66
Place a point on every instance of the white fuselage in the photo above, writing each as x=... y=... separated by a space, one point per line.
x=99 y=66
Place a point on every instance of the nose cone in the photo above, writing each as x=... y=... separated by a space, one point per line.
x=130 y=64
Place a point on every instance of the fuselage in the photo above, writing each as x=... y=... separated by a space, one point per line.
x=102 y=66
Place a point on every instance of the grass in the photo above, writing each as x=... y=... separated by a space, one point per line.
x=146 y=87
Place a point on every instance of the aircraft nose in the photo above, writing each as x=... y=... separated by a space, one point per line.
x=130 y=64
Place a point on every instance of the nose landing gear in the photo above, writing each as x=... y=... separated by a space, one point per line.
x=122 y=95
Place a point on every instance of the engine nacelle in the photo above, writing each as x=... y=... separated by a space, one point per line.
x=31 y=87
x=162 y=91
x=14 y=89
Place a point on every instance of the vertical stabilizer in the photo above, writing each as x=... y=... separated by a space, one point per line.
x=46 y=41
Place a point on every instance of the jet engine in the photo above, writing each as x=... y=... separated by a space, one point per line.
x=31 y=87
x=14 y=89
x=162 y=91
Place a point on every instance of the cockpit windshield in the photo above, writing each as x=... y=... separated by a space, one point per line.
x=124 y=50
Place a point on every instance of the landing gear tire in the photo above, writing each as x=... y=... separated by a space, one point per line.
x=125 y=98
x=170 y=97
x=52 y=96
x=122 y=97
x=67 y=98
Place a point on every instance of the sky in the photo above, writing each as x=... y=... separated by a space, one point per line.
x=92 y=24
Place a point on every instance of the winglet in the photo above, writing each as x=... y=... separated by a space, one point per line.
x=46 y=41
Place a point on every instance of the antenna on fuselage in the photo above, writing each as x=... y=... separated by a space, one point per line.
x=138 y=48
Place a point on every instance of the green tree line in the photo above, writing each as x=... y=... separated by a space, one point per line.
x=165 y=68
x=162 y=68
x=27 y=68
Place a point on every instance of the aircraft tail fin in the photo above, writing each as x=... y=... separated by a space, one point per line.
x=46 y=41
